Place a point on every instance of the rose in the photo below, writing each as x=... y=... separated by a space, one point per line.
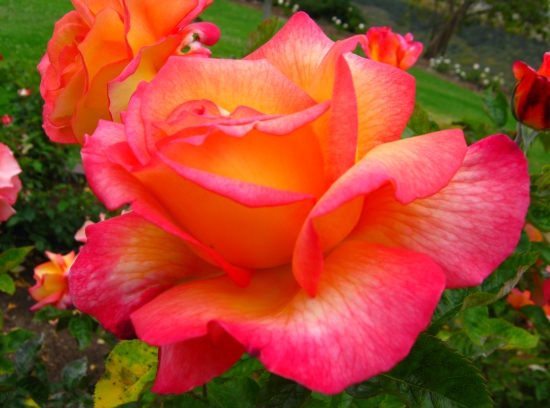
x=52 y=285
x=531 y=97
x=392 y=48
x=10 y=184
x=275 y=212
x=7 y=120
x=99 y=52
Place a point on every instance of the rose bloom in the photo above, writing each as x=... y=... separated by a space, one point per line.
x=10 y=184
x=392 y=48
x=52 y=282
x=531 y=97
x=99 y=53
x=7 y=120
x=517 y=299
x=275 y=212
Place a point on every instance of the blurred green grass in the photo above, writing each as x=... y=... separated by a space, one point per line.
x=27 y=26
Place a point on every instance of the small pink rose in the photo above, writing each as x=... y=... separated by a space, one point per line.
x=9 y=182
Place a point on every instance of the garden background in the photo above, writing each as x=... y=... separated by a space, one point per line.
x=55 y=200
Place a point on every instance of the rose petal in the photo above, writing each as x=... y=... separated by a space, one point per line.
x=296 y=50
x=186 y=365
x=470 y=226
x=115 y=186
x=325 y=343
x=227 y=83
x=127 y=262
x=418 y=167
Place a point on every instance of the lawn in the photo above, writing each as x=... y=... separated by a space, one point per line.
x=27 y=26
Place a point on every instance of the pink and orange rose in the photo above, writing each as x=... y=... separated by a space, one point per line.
x=52 y=282
x=10 y=185
x=392 y=48
x=99 y=52
x=276 y=212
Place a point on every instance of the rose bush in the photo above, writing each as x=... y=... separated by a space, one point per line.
x=10 y=184
x=99 y=53
x=531 y=98
x=392 y=48
x=275 y=212
x=52 y=281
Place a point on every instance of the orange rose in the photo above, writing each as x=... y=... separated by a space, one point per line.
x=392 y=48
x=52 y=281
x=99 y=52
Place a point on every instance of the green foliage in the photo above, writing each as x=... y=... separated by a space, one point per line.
x=420 y=122
x=432 y=375
x=496 y=106
x=279 y=392
x=539 y=209
x=130 y=370
x=81 y=328
x=482 y=335
x=13 y=257
x=497 y=285
x=265 y=31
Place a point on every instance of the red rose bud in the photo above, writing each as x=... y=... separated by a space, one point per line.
x=7 y=120
x=531 y=97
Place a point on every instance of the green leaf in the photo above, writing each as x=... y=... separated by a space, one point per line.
x=420 y=122
x=495 y=105
x=524 y=244
x=497 y=285
x=538 y=317
x=490 y=334
x=380 y=401
x=130 y=369
x=6 y=366
x=539 y=215
x=245 y=367
x=73 y=373
x=34 y=388
x=9 y=343
x=13 y=257
x=265 y=31
x=7 y=284
x=81 y=329
x=279 y=392
x=26 y=354
x=544 y=251
x=545 y=139
x=50 y=312
x=431 y=376
x=180 y=401
x=235 y=393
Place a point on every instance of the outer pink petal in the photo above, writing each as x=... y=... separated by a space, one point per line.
x=368 y=295
x=296 y=50
x=470 y=226
x=416 y=168
x=115 y=186
x=9 y=168
x=385 y=101
x=186 y=365
x=127 y=262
